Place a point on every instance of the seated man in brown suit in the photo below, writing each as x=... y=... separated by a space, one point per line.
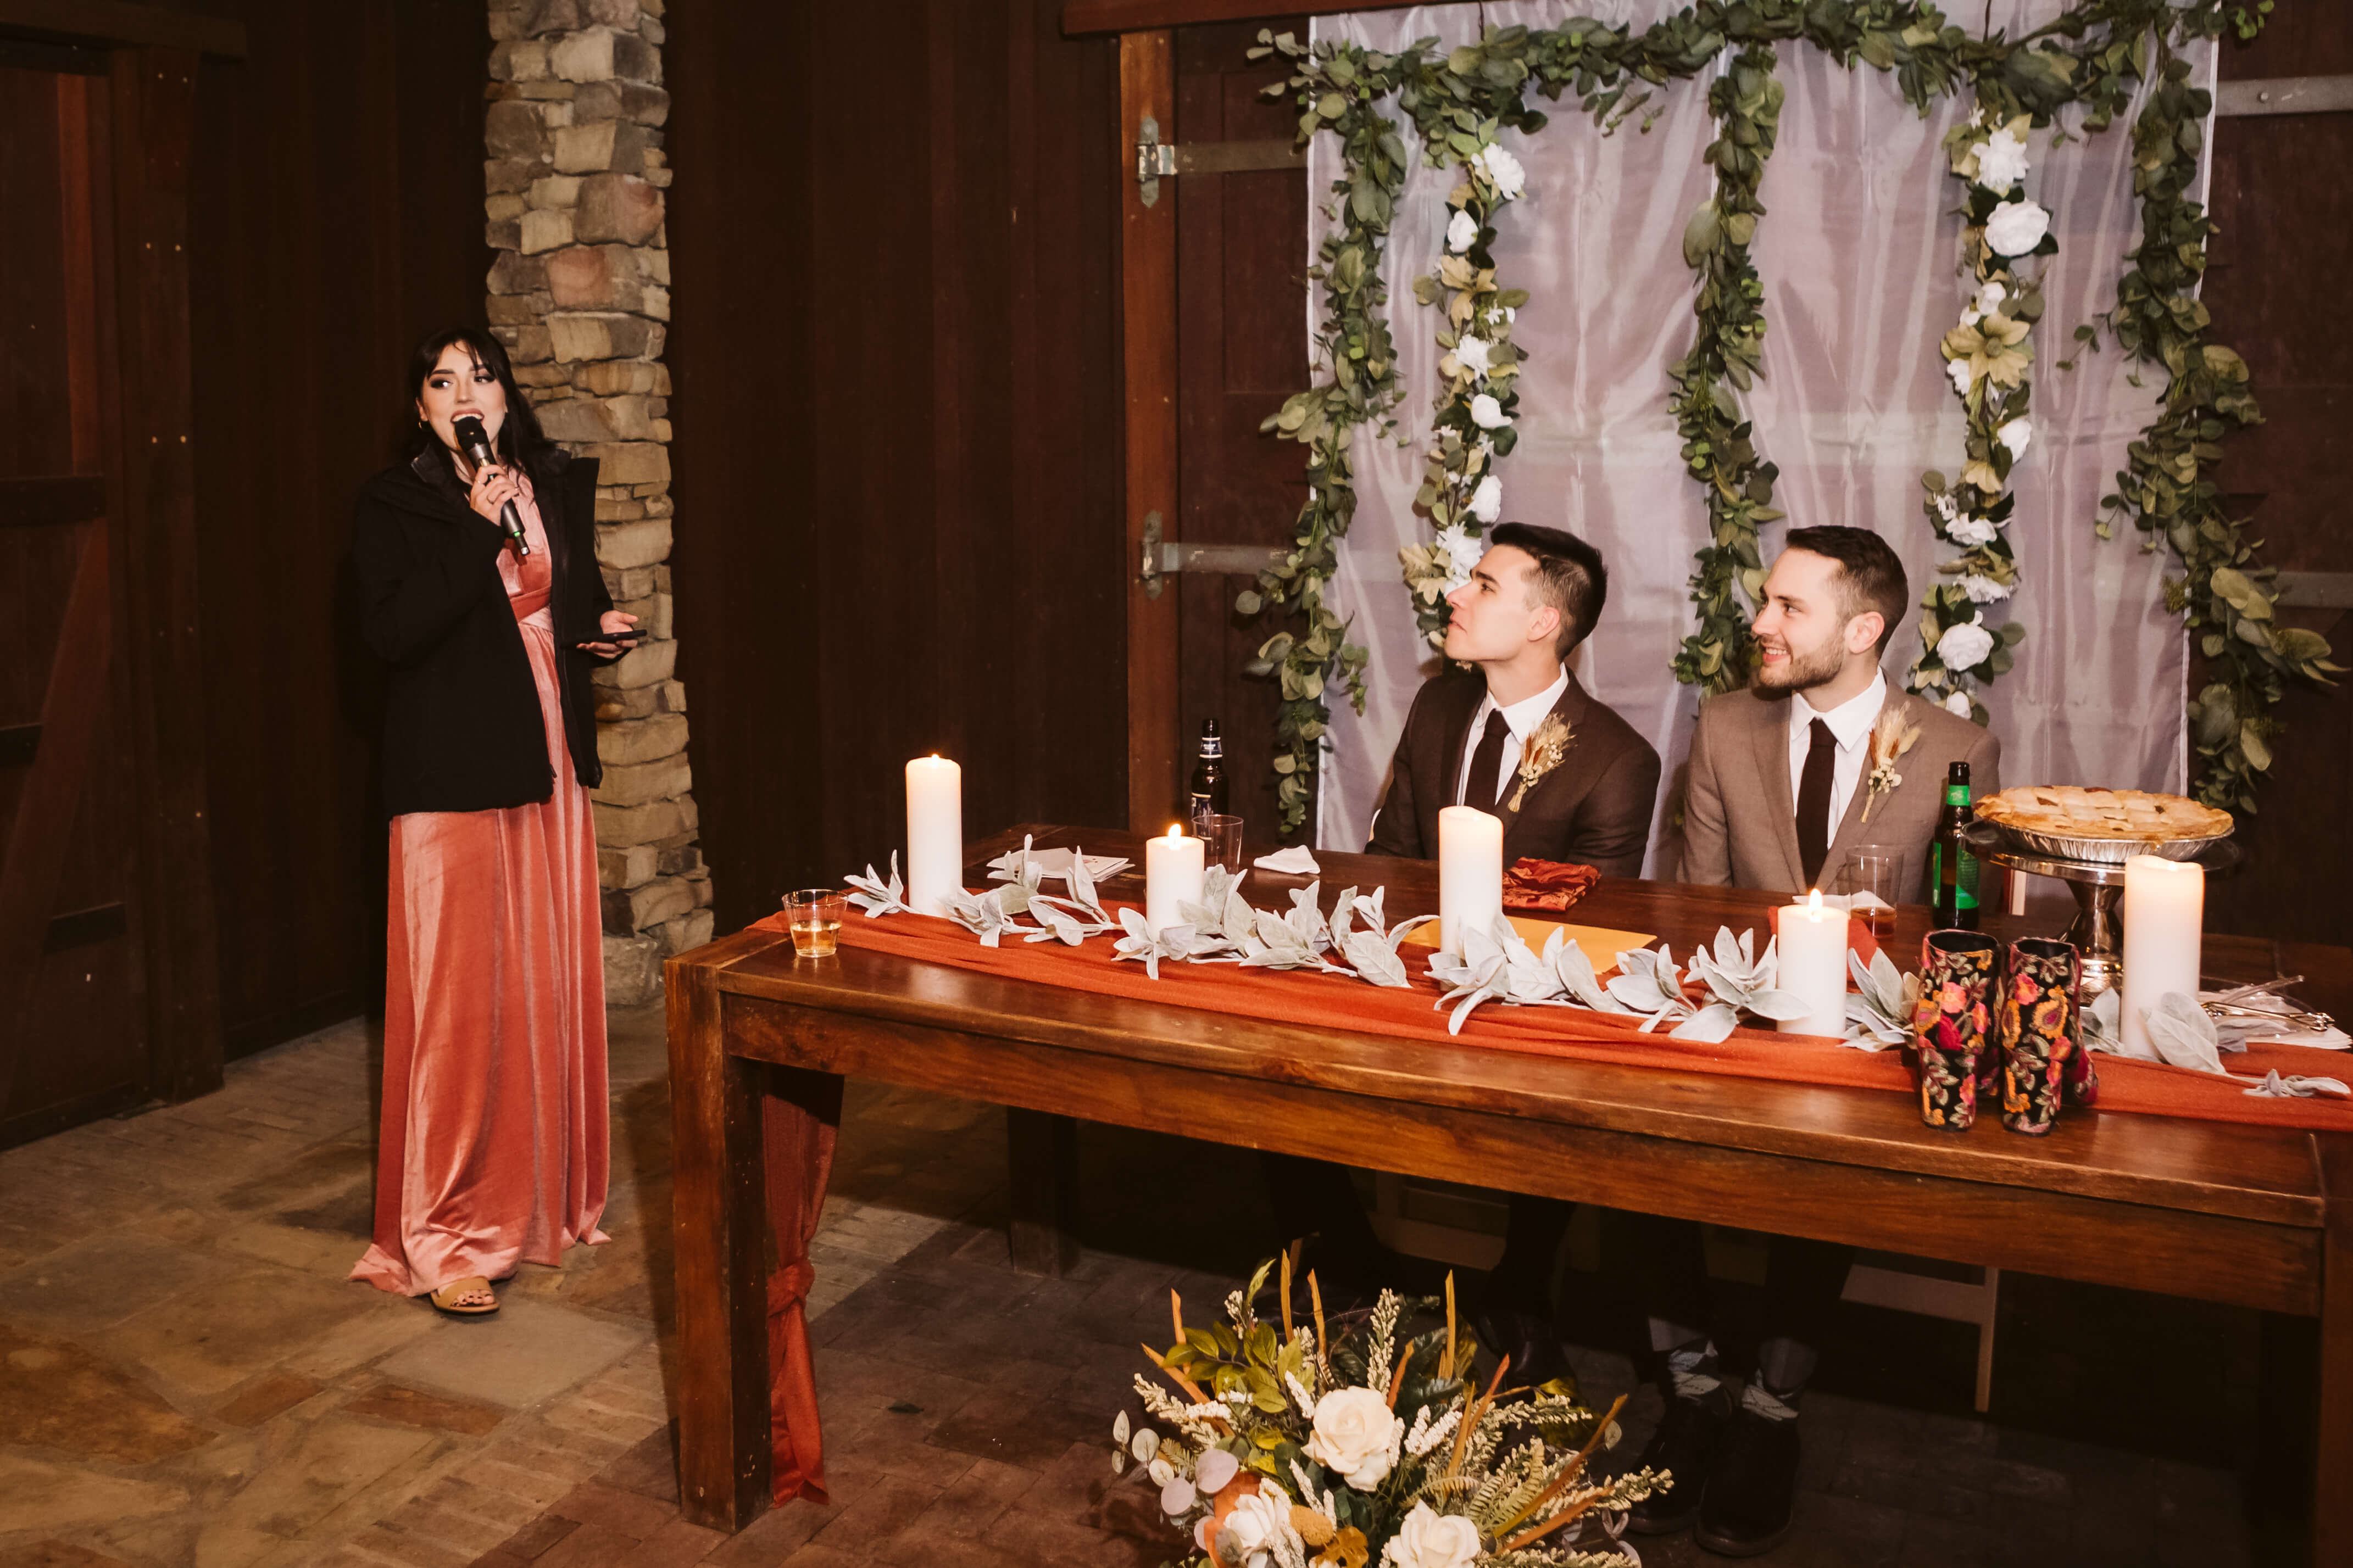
x=1778 y=782
x=1534 y=596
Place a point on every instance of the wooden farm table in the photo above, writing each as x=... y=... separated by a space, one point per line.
x=2250 y=1215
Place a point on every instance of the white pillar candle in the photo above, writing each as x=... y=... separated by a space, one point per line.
x=1172 y=877
x=1470 y=873
x=2165 y=914
x=1813 y=966
x=934 y=834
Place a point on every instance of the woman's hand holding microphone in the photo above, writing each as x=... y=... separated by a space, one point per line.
x=493 y=488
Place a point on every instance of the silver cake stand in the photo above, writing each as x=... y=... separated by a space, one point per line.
x=2097 y=932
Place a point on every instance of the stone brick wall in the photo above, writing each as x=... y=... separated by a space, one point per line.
x=580 y=295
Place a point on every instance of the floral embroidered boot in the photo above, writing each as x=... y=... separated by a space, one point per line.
x=2041 y=1033
x=1950 y=1027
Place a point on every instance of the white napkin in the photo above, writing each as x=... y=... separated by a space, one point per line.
x=1848 y=901
x=1295 y=861
x=2238 y=1029
x=1055 y=863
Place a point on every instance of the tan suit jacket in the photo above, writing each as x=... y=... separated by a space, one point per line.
x=1740 y=823
x=1594 y=807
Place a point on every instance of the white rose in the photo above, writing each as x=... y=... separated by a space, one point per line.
x=1427 y=1540
x=1958 y=370
x=2015 y=435
x=1259 y=1524
x=1357 y=1434
x=1461 y=232
x=1965 y=646
x=1957 y=705
x=1504 y=170
x=1487 y=500
x=2016 y=228
x=1487 y=414
x=1972 y=531
x=1983 y=590
x=2001 y=161
x=1462 y=554
x=1471 y=353
x=1947 y=508
x=1991 y=297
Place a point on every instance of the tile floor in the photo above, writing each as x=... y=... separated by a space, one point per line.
x=186 y=1380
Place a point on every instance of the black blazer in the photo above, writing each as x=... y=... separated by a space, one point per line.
x=1594 y=808
x=462 y=728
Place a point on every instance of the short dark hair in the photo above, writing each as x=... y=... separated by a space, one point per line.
x=520 y=442
x=1869 y=576
x=1569 y=576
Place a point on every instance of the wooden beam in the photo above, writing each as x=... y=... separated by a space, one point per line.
x=2285 y=95
x=117 y=22
x=1149 y=331
x=154 y=94
x=1081 y=17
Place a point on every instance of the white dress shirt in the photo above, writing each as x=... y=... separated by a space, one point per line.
x=1851 y=722
x=1522 y=718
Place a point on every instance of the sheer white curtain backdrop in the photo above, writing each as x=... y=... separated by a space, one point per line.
x=1858 y=255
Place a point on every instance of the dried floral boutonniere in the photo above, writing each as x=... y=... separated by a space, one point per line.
x=1540 y=755
x=1890 y=739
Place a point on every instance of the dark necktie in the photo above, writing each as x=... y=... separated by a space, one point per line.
x=1814 y=802
x=1479 y=790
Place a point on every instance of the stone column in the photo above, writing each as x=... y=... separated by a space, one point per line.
x=580 y=296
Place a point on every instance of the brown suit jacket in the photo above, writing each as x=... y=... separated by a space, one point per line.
x=1594 y=807
x=1740 y=823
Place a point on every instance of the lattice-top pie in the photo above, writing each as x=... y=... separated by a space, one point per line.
x=2070 y=811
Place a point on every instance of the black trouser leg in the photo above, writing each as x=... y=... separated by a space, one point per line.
x=1522 y=1280
x=1315 y=1198
x=1803 y=1281
x=1670 y=1266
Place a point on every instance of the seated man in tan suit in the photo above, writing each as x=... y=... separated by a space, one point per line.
x=1779 y=779
x=1535 y=596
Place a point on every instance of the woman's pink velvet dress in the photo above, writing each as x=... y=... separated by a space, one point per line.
x=494 y=1149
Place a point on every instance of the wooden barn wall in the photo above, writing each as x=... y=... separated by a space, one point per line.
x=895 y=355
x=336 y=218
x=2274 y=285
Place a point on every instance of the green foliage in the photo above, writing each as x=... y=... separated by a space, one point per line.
x=2096 y=55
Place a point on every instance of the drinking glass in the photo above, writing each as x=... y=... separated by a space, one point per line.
x=1224 y=836
x=814 y=916
x=1871 y=869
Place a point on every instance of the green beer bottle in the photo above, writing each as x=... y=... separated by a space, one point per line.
x=1952 y=870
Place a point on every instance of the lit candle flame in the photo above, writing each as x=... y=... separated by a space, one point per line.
x=1176 y=830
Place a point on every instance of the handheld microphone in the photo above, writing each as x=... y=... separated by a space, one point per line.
x=476 y=442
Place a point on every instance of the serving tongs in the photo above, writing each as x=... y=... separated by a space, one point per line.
x=2233 y=1004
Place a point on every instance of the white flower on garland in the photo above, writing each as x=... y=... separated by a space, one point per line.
x=1357 y=1436
x=2016 y=228
x=1462 y=554
x=1983 y=590
x=1461 y=233
x=1957 y=704
x=1487 y=500
x=1487 y=414
x=1503 y=171
x=1472 y=354
x=1432 y=1540
x=2016 y=435
x=1972 y=531
x=1964 y=646
x=1991 y=297
x=1957 y=371
x=2001 y=161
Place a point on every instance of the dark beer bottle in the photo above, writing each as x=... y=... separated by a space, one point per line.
x=1207 y=795
x=1953 y=869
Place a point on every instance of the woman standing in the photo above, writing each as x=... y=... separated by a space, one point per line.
x=493 y=1140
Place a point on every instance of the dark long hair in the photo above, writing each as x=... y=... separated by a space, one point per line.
x=519 y=442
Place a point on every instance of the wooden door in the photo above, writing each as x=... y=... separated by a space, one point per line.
x=1215 y=308
x=71 y=989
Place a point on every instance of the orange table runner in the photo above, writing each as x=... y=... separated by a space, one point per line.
x=1569 y=1033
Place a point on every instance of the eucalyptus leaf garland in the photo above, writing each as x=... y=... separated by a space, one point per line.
x=2096 y=53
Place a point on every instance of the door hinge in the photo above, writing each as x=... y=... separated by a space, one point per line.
x=1153 y=158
